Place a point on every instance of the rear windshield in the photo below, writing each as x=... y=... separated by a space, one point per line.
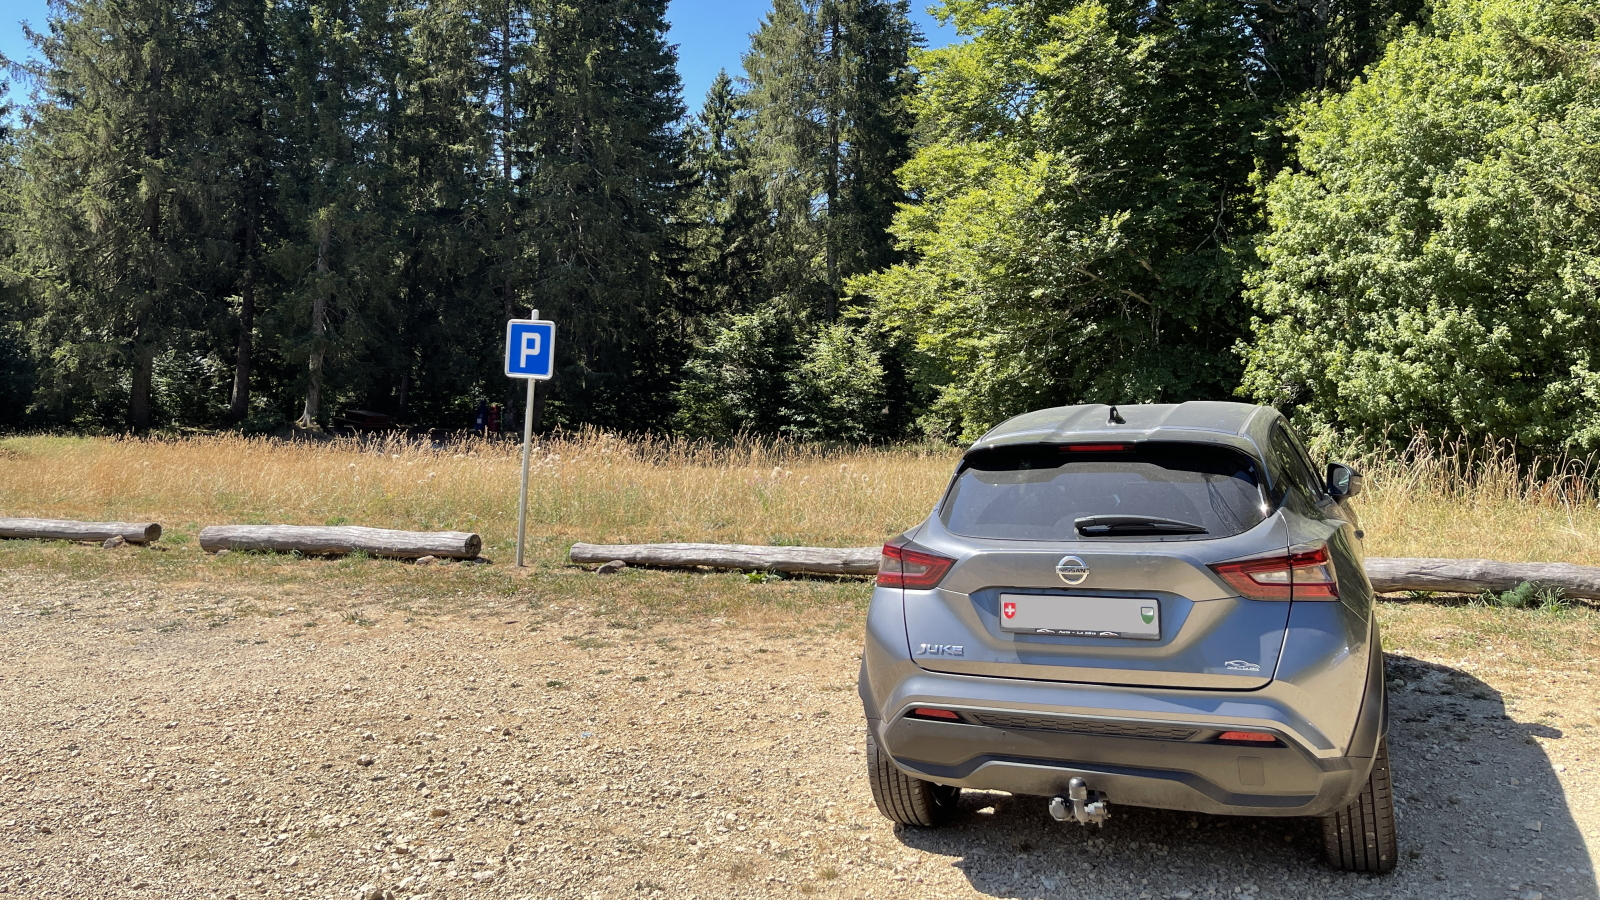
x=1036 y=493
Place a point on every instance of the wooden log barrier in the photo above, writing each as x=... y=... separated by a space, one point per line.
x=336 y=539
x=1468 y=576
x=67 y=530
x=1474 y=576
x=749 y=557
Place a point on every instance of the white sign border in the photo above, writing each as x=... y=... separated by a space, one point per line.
x=510 y=323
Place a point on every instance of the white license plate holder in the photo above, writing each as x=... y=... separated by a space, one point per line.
x=1137 y=618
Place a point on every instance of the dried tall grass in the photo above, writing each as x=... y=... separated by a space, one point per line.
x=586 y=486
x=1432 y=500
x=1450 y=498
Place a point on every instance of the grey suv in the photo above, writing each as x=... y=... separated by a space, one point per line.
x=1159 y=606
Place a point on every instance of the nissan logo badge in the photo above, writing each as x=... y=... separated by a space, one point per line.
x=1072 y=570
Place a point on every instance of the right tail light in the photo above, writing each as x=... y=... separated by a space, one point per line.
x=902 y=566
x=1306 y=575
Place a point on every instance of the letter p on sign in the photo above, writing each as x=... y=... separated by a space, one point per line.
x=530 y=348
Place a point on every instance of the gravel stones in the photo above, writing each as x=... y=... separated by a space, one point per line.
x=697 y=782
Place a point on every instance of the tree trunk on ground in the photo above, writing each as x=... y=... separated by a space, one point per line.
x=1474 y=576
x=341 y=539
x=67 y=530
x=798 y=560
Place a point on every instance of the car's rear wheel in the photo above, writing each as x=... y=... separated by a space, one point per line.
x=907 y=800
x=1361 y=837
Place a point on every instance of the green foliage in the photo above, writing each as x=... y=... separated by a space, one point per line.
x=723 y=219
x=758 y=374
x=830 y=84
x=1433 y=261
x=838 y=393
x=739 y=379
x=792 y=192
x=1527 y=595
x=246 y=212
x=1086 y=204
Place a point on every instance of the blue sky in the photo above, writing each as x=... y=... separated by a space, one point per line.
x=710 y=34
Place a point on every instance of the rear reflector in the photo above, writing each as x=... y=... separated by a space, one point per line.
x=1293 y=576
x=1096 y=448
x=926 y=712
x=917 y=570
x=1260 y=737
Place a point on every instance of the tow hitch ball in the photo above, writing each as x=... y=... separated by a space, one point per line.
x=1076 y=806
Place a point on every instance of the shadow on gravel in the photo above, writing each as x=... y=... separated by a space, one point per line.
x=1481 y=812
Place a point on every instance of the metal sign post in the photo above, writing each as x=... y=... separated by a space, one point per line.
x=530 y=354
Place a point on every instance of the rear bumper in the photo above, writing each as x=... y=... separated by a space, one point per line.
x=1047 y=733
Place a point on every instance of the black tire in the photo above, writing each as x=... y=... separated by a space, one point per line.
x=907 y=800
x=1361 y=837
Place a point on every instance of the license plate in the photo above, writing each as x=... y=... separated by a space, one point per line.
x=1108 y=617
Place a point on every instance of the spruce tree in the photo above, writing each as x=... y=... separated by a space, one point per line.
x=338 y=250
x=110 y=196
x=723 y=222
x=830 y=84
x=601 y=185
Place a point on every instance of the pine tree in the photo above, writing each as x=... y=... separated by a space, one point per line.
x=830 y=85
x=601 y=185
x=342 y=115
x=110 y=196
x=722 y=219
x=239 y=56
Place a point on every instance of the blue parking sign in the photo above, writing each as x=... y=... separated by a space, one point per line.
x=530 y=348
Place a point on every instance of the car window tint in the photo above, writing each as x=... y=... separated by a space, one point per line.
x=1037 y=492
x=1295 y=465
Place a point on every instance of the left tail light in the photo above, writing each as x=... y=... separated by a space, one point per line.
x=902 y=566
x=1306 y=575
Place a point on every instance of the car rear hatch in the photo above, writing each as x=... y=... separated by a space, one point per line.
x=1031 y=591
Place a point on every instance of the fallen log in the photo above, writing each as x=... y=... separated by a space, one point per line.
x=67 y=530
x=338 y=539
x=1388 y=575
x=1474 y=576
x=748 y=557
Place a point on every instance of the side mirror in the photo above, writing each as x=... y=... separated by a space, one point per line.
x=1343 y=481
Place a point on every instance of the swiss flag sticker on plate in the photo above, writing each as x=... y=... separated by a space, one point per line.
x=1009 y=609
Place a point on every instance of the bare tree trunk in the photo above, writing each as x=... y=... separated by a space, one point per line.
x=144 y=360
x=833 y=98
x=244 y=357
x=240 y=405
x=540 y=388
x=319 y=324
x=508 y=296
x=507 y=291
x=144 y=343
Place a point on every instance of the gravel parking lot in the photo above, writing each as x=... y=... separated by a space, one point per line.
x=156 y=743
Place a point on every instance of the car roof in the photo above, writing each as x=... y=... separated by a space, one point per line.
x=1240 y=425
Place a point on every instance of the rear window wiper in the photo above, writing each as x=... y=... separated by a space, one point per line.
x=1111 y=525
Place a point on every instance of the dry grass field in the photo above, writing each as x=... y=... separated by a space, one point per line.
x=599 y=488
